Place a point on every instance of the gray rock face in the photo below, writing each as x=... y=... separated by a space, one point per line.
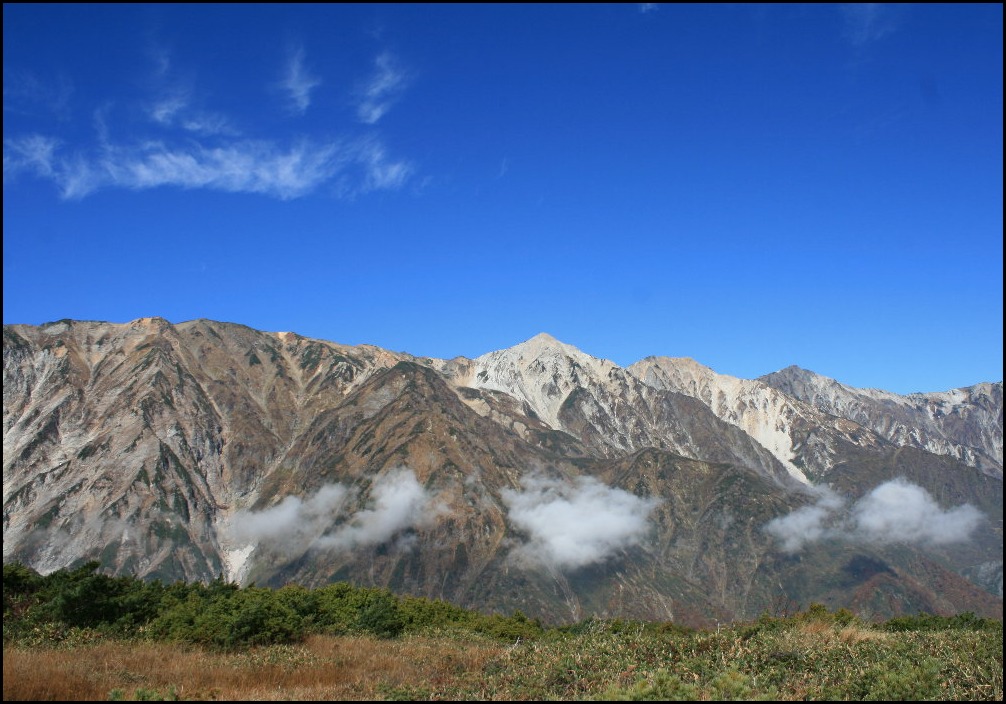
x=536 y=478
x=607 y=408
x=807 y=442
x=964 y=423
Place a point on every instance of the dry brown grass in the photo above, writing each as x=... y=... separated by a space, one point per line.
x=856 y=634
x=801 y=660
x=323 y=668
x=825 y=633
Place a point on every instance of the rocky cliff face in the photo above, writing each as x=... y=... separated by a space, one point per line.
x=537 y=477
x=607 y=408
x=963 y=423
x=804 y=440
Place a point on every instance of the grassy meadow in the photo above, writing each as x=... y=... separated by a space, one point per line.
x=77 y=635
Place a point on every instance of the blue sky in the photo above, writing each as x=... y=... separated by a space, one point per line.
x=750 y=186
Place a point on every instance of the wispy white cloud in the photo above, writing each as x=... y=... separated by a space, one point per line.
x=175 y=111
x=899 y=511
x=298 y=82
x=645 y=7
x=33 y=154
x=380 y=171
x=571 y=525
x=161 y=58
x=867 y=22
x=243 y=167
x=240 y=166
x=163 y=110
x=382 y=89
x=172 y=105
x=208 y=124
x=184 y=145
x=25 y=92
x=894 y=512
x=99 y=120
x=807 y=524
x=293 y=524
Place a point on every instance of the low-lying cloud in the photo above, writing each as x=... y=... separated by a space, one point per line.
x=894 y=512
x=572 y=525
x=398 y=503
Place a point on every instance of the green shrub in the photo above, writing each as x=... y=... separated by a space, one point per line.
x=908 y=682
x=928 y=622
x=380 y=616
x=433 y=614
x=19 y=583
x=728 y=684
x=144 y=695
x=815 y=654
x=230 y=618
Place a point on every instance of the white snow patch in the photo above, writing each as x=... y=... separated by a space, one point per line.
x=236 y=562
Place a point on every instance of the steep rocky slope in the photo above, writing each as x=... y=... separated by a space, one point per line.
x=802 y=438
x=537 y=477
x=607 y=408
x=965 y=423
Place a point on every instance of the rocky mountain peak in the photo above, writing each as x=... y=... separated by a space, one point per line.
x=798 y=377
x=541 y=371
x=541 y=345
x=544 y=338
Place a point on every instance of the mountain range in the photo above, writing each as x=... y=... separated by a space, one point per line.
x=536 y=478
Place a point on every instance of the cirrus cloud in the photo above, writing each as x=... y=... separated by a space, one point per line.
x=237 y=166
x=184 y=144
x=298 y=82
x=382 y=89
